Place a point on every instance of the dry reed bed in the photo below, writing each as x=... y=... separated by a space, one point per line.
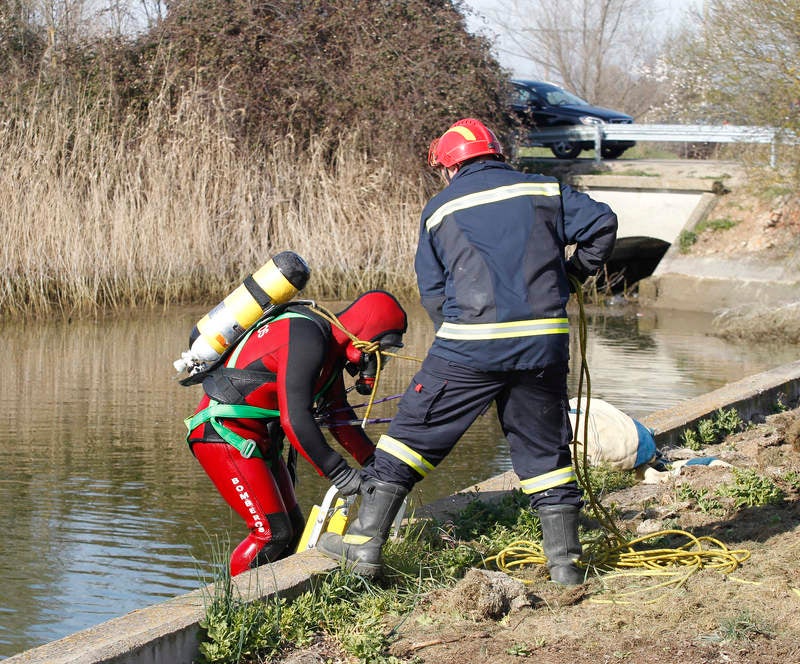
x=171 y=210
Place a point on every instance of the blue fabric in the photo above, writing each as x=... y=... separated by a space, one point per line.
x=701 y=461
x=503 y=261
x=647 y=444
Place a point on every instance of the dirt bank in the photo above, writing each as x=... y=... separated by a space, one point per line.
x=753 y=236
x=750 y=615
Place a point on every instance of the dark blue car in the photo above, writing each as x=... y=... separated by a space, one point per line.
x=536 y=105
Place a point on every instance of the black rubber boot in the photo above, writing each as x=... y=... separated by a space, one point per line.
x=561 y=544
x=360 y=547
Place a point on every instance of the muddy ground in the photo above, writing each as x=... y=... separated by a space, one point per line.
x=750 y=615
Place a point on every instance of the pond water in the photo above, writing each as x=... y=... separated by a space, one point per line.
x=104 y=510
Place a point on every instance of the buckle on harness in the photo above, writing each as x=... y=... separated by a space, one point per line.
x=248 y=447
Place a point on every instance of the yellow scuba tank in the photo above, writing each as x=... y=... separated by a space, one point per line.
x=276 y=282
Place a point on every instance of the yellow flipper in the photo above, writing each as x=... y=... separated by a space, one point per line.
x=329 y=517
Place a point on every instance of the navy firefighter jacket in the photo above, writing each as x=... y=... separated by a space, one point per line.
x=491 y=265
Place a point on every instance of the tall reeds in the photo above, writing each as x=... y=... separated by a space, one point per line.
x=95 y=213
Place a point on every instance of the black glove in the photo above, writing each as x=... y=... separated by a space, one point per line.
x=575 y=271
x=347 y=481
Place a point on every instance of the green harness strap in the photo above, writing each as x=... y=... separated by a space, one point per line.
x=211 y=413
x=215 y=410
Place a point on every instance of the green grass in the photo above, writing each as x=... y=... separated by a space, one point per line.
x=604 y=479
x=688 y=238
x=744 y=627
x=715 y=225
x=685 y=240
x=711 y=431
x=749 y=489
x=701 y=498
x=360 y=616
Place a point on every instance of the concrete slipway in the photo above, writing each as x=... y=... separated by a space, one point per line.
x=168 y=633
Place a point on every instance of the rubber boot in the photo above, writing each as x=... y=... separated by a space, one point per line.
x=561 y=544
x=361 y=546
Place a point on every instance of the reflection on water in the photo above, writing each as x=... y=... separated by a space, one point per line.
x=104 y=510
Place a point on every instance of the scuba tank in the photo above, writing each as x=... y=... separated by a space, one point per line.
x=273 y=284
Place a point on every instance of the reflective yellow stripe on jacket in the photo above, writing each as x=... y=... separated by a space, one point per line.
x=549 y=480
x=493 y=196
x=519 y=328
x=405 y=454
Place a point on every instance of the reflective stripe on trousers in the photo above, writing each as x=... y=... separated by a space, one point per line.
x=405 y=454
x=549 y=480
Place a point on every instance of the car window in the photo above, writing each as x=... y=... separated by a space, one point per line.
x=521 y=96
x=559 y=97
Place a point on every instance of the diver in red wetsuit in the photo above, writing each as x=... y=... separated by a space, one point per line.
x=275 y=382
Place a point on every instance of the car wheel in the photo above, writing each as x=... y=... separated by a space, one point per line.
x=611 y=152
x=565 y=149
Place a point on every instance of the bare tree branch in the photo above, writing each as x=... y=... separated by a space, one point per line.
x=600 y=49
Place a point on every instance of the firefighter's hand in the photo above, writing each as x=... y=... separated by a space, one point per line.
x=576 y=275
x=347 y=481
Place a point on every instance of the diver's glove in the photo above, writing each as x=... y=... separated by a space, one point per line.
x=347 y=481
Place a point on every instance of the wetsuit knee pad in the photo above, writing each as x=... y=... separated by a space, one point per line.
x=282 y=536
x=256 y=549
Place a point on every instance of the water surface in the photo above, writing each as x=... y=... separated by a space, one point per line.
x=103 y=509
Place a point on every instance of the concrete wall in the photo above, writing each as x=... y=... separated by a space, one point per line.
x=167 y=633
x=651 y=206
x=709 y=284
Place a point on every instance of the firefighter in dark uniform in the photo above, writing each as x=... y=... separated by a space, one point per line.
x=492 y=275
x=276 y=382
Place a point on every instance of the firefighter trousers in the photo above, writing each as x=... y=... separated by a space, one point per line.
x=445 y=398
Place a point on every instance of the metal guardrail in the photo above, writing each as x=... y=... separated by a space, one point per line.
x=664 y=133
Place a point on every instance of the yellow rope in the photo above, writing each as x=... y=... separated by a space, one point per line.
x=615 y=551
x=369 y=347
x=677 y=565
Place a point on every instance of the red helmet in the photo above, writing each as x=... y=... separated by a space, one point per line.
x=464 y=140
x=374 y=316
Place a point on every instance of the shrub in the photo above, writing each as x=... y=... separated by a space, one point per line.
x=403 y=71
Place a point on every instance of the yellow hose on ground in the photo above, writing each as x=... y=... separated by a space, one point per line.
x=615 y=552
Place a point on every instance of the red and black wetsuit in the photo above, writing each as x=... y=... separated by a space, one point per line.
x=290 y=365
